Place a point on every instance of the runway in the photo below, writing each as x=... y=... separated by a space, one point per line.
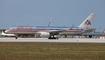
x=60 y=40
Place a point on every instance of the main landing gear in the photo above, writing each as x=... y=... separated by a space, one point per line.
x=16 y=36
x=52 y=37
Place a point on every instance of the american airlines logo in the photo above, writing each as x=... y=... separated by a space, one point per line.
x=87 y=22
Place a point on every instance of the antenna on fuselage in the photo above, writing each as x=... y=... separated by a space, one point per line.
x=50 y=22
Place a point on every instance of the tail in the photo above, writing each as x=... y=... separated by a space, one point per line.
x=88 y=21
x=2 y=32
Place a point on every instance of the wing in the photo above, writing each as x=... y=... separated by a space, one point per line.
x=89 y=30
x=56 y=32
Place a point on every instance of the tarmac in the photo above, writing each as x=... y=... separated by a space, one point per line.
x=60 y=40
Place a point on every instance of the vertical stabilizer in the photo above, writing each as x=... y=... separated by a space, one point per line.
x=88 y=21
x=2 y=33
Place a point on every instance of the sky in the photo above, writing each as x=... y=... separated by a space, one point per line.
x=61 y=12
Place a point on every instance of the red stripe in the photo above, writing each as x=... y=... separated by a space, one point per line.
x=11 y=31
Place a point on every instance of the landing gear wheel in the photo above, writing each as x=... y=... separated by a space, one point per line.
x=15 y=37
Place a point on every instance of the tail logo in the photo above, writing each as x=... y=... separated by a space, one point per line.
x=87 y=22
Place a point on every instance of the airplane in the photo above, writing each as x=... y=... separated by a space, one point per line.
x=52 y=31
x=7 y=35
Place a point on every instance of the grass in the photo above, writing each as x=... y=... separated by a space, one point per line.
x=51 y=51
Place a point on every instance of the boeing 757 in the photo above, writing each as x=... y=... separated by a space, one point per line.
x=51 y=31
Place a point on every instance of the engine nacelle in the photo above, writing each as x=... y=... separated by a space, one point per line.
x=43 y=34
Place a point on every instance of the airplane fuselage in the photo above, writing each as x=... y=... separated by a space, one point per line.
x=33 y=30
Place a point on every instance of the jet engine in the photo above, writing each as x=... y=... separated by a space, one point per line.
x=42 y=34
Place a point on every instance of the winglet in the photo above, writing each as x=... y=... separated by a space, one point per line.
x=71 y=26
x=50 y=22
